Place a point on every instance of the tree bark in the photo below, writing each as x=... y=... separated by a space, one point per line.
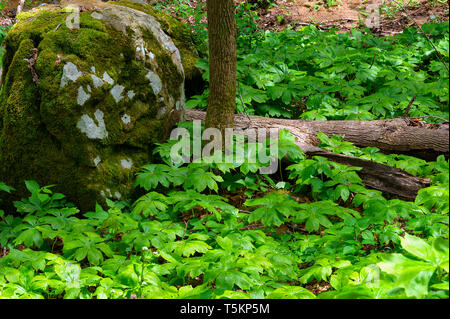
x=381 y=177
x=400 y=135
x=397 y=135
x=222 y=64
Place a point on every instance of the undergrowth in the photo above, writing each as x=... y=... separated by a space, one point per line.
x=222 y=230
x=209 y=229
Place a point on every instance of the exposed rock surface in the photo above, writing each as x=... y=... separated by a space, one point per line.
x=105 y=91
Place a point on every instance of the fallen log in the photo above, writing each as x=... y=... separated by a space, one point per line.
x=381 y=177
x=400 y=135
x=388 y=135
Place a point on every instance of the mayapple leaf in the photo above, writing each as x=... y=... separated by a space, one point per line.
x=6 y=188
x=417 y=247
x=291 y=292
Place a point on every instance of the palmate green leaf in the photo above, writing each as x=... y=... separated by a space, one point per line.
x=152 y=175
x=199 y=180
x=6 y=188
x=274 y=110
x=434 y=196
x=412 y=275
x=231 y=294
x=188 y=248
x=349 y=292
x=94 y=256
x=440 y=248
x=436 y=254
x=127 y=276
x=268 y=216
x=80 y=253
x=250 y=94
x=138 y=239
x=36 y=259
x=30 y=237
x=274 y=208
x=60 y=218
x=230 y=278
x=318 y=272
x=150 y=204
x=193 y=266
x=291 y=292
x=213 y=203
x=69 y=273
x=217 y=161
x=287 y=147
x=225 y=243
x=100 y=214
x=33 y=187
x=417 y=247
x=314 y=214
x=199 y=292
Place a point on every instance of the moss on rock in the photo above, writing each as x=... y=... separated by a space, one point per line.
x=106 y=92
x=180 y=34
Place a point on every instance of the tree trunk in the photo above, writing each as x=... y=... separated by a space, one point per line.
x=222 y=64
x=398 y=135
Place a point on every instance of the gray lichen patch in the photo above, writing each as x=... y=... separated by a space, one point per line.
x=126 y=119
x=116 y=92
x=82 y=96
x=131 y=94
x=155 y=82
x=140 y=50
x=97 y=160
x=97 y=15
x=126 y=163
x=107 y=78
x=93 y=131
x=70 y=73
x=96 y=81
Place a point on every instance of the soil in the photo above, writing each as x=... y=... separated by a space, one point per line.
x=350 y=14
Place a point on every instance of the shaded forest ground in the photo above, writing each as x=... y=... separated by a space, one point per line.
x=326 y=14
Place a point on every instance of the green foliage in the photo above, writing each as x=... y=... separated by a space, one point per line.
x=180 y=241
x=210 y=229
x=5 y=188
x=316 y=75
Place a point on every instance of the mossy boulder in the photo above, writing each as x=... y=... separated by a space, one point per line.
x=81 y=108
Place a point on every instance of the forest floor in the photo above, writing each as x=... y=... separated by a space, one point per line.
x=345 y=14
x=348 y=14
x=342 y=14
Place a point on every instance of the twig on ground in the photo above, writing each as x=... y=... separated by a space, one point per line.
x=373 y=60
x=409 y=106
